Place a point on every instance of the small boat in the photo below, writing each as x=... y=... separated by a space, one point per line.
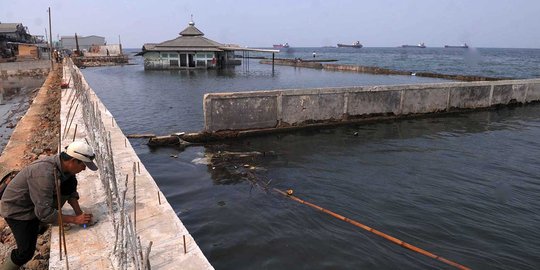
x=419 y=45
x=354 y=45
x=464 y=46
x=281 y=46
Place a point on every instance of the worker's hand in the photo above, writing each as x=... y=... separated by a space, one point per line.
x=83 y=218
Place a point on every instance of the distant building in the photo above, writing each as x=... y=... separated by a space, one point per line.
x=85 y=43
x=191 y=50
x=16 y=42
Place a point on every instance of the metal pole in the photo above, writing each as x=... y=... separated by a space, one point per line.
x=50 y=39
x=61 y=221
x=120 y=44
x=77 y=45
x=134 y=197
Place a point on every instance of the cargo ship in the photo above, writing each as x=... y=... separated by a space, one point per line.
x=463 y=46
x=419 y=45
x=281 y=46
x=354 y=45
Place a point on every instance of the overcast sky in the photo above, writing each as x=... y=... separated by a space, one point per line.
x=301 y=23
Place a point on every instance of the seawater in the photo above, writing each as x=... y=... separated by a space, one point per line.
x=463 y=186
x=488 y=62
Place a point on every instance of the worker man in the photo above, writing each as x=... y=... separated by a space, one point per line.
x=30 y=198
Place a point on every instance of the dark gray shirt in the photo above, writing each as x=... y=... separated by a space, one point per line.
x=30 y=194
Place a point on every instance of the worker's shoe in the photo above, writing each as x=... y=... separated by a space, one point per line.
x=9 y=264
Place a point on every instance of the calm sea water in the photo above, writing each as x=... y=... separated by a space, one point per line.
x=501 y=63
x=462 y=186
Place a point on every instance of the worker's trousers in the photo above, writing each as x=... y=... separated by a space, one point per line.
x=25 y=233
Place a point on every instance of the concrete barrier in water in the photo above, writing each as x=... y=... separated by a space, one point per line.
x=376 y=70
x=282 y=109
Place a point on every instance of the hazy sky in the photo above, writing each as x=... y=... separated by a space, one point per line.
x=301 y=23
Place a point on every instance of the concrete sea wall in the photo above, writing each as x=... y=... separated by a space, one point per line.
x=25 y=68
x=304 y=107
x=136 y=226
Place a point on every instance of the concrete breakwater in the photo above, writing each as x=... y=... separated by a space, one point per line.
x=247 y=113
x=375 y=70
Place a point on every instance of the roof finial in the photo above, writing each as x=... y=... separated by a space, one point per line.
x=191 y=22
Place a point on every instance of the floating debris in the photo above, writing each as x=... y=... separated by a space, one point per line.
x=229 y=167
x=201 y=160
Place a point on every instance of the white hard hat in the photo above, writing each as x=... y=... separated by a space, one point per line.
x=82 y=151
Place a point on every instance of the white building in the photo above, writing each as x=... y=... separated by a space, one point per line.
x=68 y=42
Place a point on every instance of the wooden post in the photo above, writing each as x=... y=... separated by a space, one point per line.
x=273 y=58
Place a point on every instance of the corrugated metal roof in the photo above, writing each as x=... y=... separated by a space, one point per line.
x=80 y=37
x=238 y=48
x=8 y=27
x=186 y=49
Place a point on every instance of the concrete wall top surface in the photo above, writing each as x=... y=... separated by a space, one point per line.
x=329 y=90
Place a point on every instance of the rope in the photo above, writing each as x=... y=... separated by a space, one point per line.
x=289 y=195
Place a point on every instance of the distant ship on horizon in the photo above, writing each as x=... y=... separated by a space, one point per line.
x=419 y=45
x=281 y=46
x=356 y=44
x=463 y=46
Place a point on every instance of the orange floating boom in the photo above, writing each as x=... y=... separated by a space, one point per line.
x=379 y=233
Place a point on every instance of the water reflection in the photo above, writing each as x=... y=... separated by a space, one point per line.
x=16 y=94
x=310 y=141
